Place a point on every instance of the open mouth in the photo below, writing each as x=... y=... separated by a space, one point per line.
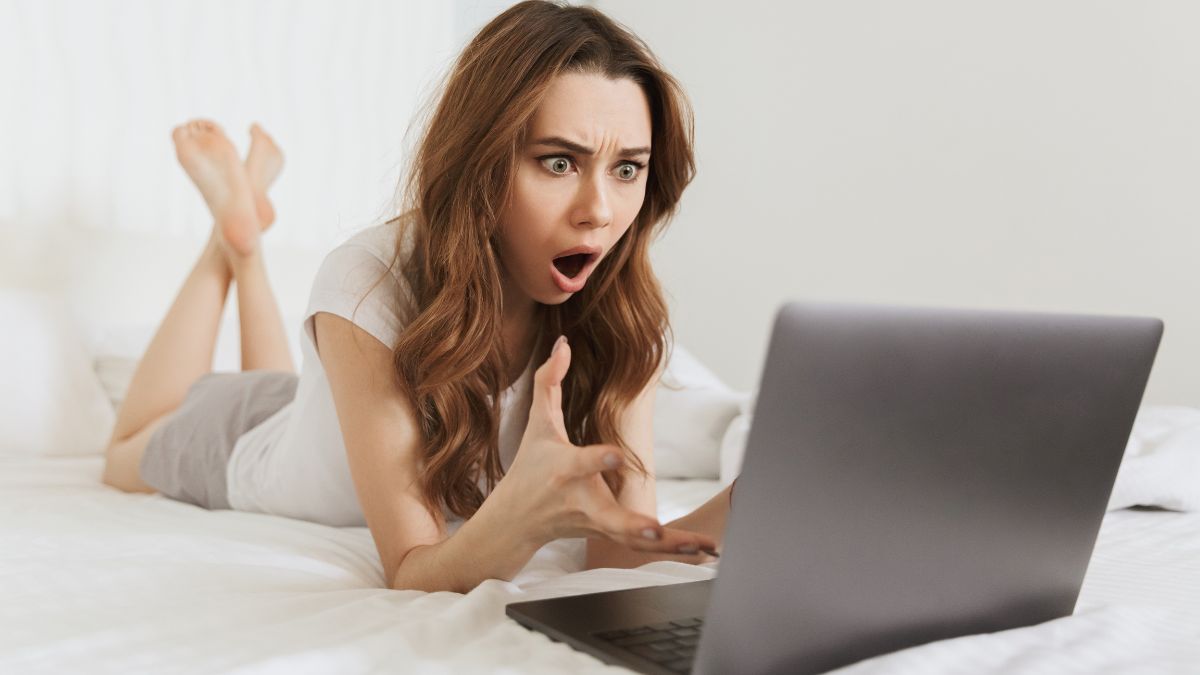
x=572 y=265
x=571 y=268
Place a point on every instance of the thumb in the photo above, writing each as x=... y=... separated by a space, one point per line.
x=547 y=388
x=597 y=458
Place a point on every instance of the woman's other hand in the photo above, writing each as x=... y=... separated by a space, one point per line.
x=554 y=489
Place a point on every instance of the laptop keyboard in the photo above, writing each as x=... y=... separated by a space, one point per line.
x=671 y=644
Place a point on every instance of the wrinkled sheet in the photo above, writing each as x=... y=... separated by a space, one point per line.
x=98 y=581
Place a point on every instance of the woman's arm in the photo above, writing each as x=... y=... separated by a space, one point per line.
x=638 y=494
x=478 y=551
x=383 y=448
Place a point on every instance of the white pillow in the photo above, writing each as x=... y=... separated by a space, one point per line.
x=733 y=445
x=51 y=402
x=115 y=373
x=1161 y=466
x=692 y=412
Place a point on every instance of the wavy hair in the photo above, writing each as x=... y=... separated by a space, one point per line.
x=450 y=357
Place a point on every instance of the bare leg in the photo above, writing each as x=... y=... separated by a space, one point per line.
x=264 y=343
x=264 y=340
x=182 y=348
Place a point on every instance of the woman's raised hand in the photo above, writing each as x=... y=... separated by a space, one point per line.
x=554 y=489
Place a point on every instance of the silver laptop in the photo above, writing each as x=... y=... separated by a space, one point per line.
x=911 y=474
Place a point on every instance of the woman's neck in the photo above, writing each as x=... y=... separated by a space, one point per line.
x=519 y=330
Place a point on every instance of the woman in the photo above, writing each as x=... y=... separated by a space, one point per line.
x=558 y=149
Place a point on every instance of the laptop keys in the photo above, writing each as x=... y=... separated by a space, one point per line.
x=644 y=638
x=655 y=655
x=680 y=666
x=671 y=644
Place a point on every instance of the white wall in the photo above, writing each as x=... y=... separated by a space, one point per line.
x=1040 y=155
x=92 y=200
x=1036 y=155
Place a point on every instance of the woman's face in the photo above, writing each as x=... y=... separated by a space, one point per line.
x=580 y=182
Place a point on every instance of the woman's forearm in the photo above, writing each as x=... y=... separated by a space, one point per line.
x=485 y=547
x=709 y=519
x=482 y=548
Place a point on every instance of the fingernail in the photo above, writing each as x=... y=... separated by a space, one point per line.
x=562 y=339
x=611 y=461
x=650 y=533
x=688 y=548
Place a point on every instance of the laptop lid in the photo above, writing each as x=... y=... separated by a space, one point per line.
x=914 y=474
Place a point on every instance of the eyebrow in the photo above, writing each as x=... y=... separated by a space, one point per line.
x=561 y=142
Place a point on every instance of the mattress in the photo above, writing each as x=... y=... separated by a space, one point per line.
x=95 y=580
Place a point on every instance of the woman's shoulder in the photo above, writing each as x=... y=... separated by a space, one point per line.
x=379 y=241
x=368 y=252
x=361 y=280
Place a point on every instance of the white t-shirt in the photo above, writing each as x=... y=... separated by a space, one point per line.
x=294 y=463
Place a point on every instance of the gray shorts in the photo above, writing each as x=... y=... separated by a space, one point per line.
x=186 y=456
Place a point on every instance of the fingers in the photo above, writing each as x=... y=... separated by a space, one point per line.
x=680 y=542
x=684 y=542
x=642 y=533
x=547 y=391
x=629 y=527
x=597 y=458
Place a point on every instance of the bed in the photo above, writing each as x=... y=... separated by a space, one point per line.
x=96 y=580
x=99 y=581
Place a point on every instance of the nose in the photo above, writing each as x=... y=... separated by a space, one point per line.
x=594 y=205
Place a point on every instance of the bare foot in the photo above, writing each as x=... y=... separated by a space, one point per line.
x=263 y=163
x=212 y=162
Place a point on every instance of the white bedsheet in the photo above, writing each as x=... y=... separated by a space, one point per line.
x=97 y=581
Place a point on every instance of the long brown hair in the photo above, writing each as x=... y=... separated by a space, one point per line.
x=450 y=358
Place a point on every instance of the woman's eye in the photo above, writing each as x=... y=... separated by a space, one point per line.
x=558 y=165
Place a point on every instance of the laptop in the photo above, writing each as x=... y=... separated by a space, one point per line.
x=911 y=474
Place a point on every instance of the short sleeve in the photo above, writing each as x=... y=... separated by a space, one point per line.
x=355 y=284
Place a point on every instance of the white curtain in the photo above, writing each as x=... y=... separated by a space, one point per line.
x=91 y=91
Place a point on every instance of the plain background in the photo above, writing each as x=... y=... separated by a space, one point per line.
x=1034 y=155
x=1016 y=155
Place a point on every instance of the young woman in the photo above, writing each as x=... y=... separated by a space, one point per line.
x=558 y=150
